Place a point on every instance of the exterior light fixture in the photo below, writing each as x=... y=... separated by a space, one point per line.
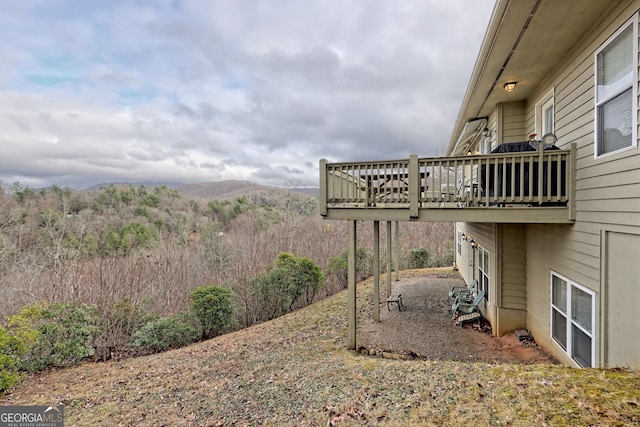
x=510 y=86
x=464 y=237
x=473 y=243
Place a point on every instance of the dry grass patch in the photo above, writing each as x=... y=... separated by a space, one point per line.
x=295 y=370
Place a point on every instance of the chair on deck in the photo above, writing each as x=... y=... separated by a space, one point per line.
x=463 y=292
x=466 y=307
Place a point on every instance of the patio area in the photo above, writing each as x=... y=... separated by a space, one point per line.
x=424 y=327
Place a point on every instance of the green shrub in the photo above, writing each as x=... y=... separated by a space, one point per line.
x=168 y=332
x=9 y=360
x=289 y=279
x=54 y=335
x=338 y=266
x=215 y=307
x=419 y=258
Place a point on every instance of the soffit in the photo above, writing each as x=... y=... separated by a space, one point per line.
x=525 y=41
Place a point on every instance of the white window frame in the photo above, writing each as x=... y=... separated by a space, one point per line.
x=570 y=322
x=633 y=84
x=484 y=279
x=459 y=242
x=548 y=100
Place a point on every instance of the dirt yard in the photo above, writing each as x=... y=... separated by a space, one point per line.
x=425 y=327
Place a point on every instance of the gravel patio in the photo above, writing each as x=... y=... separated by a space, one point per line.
x=425 y=328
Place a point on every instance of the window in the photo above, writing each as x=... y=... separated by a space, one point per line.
x=483 y=272
x=486 y=141
x=459 y=242
x=545 y=114
x=547 y=117
x=616 y=91
x=573 y=319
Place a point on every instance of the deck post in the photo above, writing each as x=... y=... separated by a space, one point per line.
x=571 y=177
x=397 y=269
x=541 y=179
x=376 y=271
x=414 y=185
x=322 y=202
x=351 y=285
x=389 y=260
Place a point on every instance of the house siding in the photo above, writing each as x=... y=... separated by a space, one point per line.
x=514 y=292
x=607 y=195
x=485 y=235
x=570 y=251
x=511 y=281
x=607 y=216
x=513 y=122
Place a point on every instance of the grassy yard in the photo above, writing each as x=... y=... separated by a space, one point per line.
x=296 y=370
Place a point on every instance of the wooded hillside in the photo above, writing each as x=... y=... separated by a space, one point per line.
x=128 y=249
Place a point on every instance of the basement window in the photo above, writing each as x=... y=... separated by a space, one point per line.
x=573 y=319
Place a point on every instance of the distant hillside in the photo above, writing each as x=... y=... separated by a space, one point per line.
x=231 y=189
x=228 y=189
x=311 y=191
x=135 y=184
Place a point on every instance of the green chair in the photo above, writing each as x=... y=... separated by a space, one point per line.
x=466 y=307
x=463 y=292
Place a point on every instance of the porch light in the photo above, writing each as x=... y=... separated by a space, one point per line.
x=464 y=237
x=510 y=86
x=473 y=243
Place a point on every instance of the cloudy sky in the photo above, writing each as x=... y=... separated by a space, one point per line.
x=95 y=91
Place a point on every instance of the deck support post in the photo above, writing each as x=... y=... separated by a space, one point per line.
x=322 y=201
x=571 y=177
x=351 y=285
x=376 y=271
x=397 y=269
x=389 y=263
x=541 y=178
x=414 y=185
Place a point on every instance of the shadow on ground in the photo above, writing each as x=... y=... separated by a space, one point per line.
x=424 y=327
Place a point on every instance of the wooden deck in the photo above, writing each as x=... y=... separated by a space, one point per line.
x=522 y=187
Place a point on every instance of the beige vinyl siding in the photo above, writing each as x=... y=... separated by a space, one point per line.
x=485 y=235
x=493 y=126
x=513 y=122
x=513 y=294
x=574 y=107
x=622 y=280
x=607 y=196
x=605 y=187
x=573 y=251
x=631 y=191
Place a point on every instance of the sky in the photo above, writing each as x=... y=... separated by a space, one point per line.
x=191 y=91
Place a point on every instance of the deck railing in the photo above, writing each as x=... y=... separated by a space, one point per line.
x=532 y=178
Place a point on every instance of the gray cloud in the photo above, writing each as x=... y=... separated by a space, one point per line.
x=199 y=90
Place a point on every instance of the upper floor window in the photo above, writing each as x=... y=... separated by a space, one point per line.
x=547 y=117
x=544 y=115
x=616 y=91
